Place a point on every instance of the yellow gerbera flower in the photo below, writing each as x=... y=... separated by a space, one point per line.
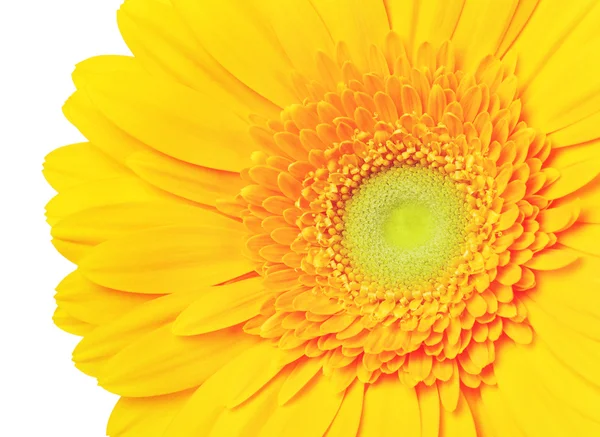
x=338 y=218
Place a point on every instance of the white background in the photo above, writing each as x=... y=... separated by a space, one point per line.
x=41 y=392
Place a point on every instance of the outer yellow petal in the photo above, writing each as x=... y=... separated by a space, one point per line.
x=242 y=378
x=577 y=351
x=162 y=362
x=172 y=118
x=92 y=303
x=358 y=23
x=168 y=259
x=148 y=417
x=70 y=324
x=318 y=401
x=251 y=416
x=107 y=340
x=525 y=392
x=200 y=184
x=72 y=165
x=429 y=406
x=480 y=29
x=458 y=422
x=348 y=418
x=235 y=34
x=93 y=226
x=390 y=409
x=499 y=413
x=162 y=42
x=103 y=133
x=222 y=307
x=301 y=32
x=583 y=237
x=570 y=61
x=98 y=193
x=539 y=39
x=572 y=178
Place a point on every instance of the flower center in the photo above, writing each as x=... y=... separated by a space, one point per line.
x=404 y=226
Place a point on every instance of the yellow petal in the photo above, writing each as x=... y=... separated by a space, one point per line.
x=101 y=132
x=348 y=418
x=480 y=28
x=358 y=23
x=319 y=400
x=95 y=225
x=149 y=417
x=390 y=409
x=551 y=259
x=583 y=237
x=559 y=218
x=163 y=43
x=222 y=307
x=250 y=417
x=450 y=390
x=566 y=386
x=569 y=59
x=537 y=41
x=107 y=340
x=458 y=422
x=76 y=164
x=168 y=259
x=172 y=119
x=302 y=33
x=435 y=21
x=577 y=351
x=235 y=34
x=70 y=324
x=161 y=362
x=499 y=412
x=200 y=184
x=92 y=303
x=429 y=406
x=103 y=192
x=526 y=395
x=298 y=378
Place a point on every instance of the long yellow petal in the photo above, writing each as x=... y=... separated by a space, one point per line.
x=232 y=31
x=527 y=396
x=583 y=237
x=172 y=118
x=390 y=409
x=70 y=324
x=92 y=303
x=348 y=418
x=251 y=416
x=499 y=413
x=358 y=23
x=429 y=406
x=149 y=417
x=200 y=184
x=458 y=422
x=319 y=401
x=198 y=256
x=221 y=307
x=570 y=57
x=162 y=362
x=96 y=225
x=480 y=28
x=163 y=43
x=76 y=164
x=97 y=193
x=99 y=130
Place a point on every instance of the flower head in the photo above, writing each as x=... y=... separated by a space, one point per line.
x=336 y=218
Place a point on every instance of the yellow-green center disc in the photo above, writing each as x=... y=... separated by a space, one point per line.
x=404 y=225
